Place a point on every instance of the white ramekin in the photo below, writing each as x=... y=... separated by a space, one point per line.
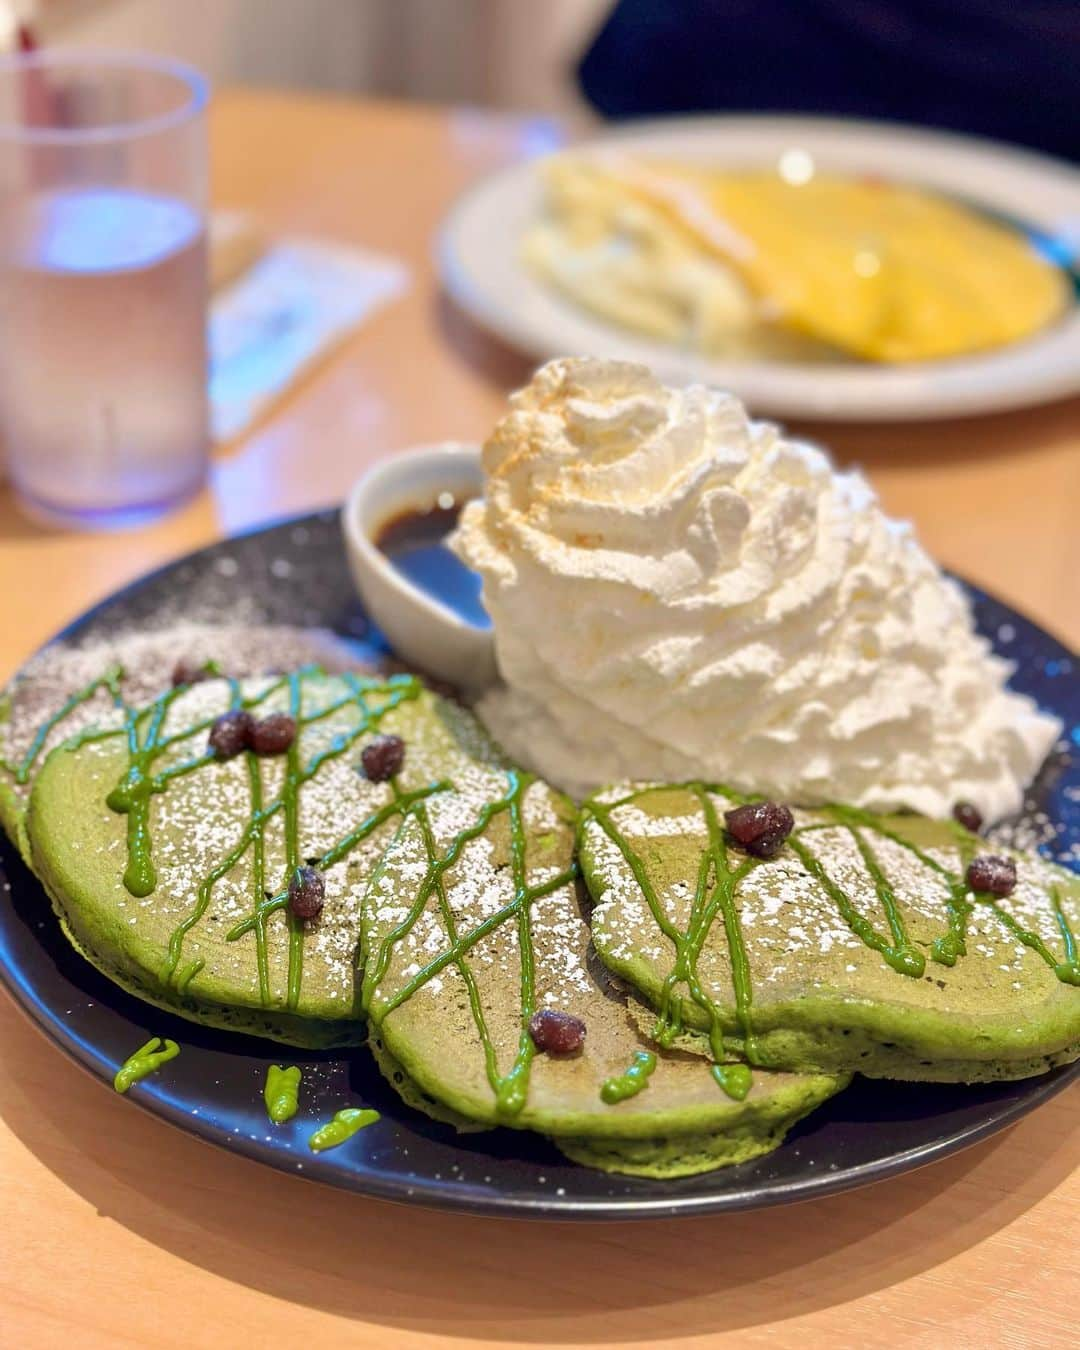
x=421 y=630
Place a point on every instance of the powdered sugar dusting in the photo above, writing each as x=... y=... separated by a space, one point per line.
x=793 y=930
x=477 y=888
x=146 y=660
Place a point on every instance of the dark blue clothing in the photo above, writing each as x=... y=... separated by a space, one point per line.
x=1003 y=68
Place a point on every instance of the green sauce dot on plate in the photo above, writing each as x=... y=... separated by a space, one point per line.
x=343 y=1126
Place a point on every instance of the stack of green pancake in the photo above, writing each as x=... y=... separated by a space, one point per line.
x=722 y=997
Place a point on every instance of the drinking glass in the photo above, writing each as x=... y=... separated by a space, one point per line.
x=103 y=284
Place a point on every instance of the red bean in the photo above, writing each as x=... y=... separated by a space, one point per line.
x=969 y=816
x=760 y=827
x=556 y=1033
x=231 y=733
x=307 y=891
x=991 y=875
x=274 y=734
x=383 y=757
x=187 y=672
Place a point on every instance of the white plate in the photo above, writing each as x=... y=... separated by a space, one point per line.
x=479 y=260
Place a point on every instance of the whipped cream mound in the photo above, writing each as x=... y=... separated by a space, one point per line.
x=678 y=592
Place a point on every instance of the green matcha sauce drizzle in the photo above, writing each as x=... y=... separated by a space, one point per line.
x=714 y=896
x=947 y=948
x=282 y=1092
x=735 y=1079
x=634 y=1080
x=20 y=770
x=132 y=796
x=344 y=1125
x=511 y=1088
x=715 y=899
x=144 y=1061
x=141 y=781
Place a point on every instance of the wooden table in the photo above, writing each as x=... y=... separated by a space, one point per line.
x=118 y=1231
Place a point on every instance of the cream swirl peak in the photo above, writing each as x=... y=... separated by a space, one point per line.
x=679 y=592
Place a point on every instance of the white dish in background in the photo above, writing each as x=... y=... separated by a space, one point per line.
x=480 y=243
x=421 y=630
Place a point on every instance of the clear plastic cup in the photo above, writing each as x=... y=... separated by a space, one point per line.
x=103 y=285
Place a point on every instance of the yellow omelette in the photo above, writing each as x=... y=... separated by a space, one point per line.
x=879 y=270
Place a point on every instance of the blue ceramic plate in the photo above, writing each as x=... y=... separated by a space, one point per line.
x=295 y=573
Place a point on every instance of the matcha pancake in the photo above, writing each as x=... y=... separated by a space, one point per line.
x=472 y=926
x=66 y=688
x=859 y=945
x=170 y=866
